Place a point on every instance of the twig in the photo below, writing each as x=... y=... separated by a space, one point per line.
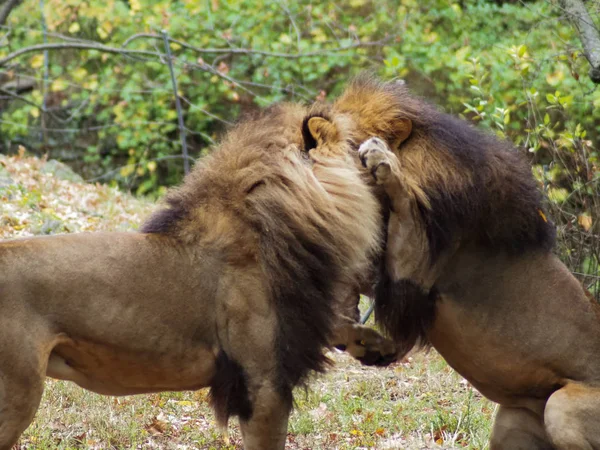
x=208 y=113
x=19 y=97
x=44 y=136
x=186 y=164
x=248 y=51
x=74 y=45
x=368 y=313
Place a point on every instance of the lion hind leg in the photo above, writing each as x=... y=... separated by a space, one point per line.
x=518 y=429
x=22 y=374
x=572 y=417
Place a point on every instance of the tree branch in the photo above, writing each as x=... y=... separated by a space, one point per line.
x=67 y=45
x=249 y=51
x=588 y=33
x=126 y=52
x=6 y=8
x=19 y=97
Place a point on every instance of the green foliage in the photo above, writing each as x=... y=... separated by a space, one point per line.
x=124 y=107
x=488 y=61
x=515 y=68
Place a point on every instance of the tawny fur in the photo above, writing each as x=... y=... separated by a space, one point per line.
x=232 y=284
x=469 y=268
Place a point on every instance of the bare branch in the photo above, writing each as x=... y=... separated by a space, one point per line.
x=249 y=51
x=74 y=45
x=588 y=33
x=6 y=8
x=19 y=97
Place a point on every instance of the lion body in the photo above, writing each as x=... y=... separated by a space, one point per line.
x=469 y=270
x=229 y=285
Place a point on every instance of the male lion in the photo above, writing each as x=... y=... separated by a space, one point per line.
x=227 y=286
x=469 y=269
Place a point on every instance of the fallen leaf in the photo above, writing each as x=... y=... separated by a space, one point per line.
x=585 y=221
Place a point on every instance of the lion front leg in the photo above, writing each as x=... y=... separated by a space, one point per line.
x=365 y=344
x=266 y=428
x=361 y=342
x=377 y=157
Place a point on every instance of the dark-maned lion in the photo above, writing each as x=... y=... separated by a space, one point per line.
x=469 y=269
x=228 y=286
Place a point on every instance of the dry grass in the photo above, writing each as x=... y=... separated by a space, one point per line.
x=418 y=404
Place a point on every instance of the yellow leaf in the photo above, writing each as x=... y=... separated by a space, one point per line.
x=554 y=79
x=127 y=170
x=58 y=85
x=92 y=85
x=79 y=74
x=103 y=34
x=35 y=112
x=74 y=28
x=151 y=166
x=135 y=5
x=522 y=50
x=585 y=221
x=37 y=61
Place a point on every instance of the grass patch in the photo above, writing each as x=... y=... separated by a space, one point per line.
x=420 y=403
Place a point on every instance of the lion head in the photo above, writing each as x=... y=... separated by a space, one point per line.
x=261 y=204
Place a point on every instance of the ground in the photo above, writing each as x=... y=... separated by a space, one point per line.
x=417 y=404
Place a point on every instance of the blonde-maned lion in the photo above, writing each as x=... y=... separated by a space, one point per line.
x=469 y=269
x=229 y=285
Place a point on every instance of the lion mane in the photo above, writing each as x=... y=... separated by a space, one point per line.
x=470 y=188
x=259 y=188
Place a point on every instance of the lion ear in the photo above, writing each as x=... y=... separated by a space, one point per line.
x=322 y=130
x=402 y=131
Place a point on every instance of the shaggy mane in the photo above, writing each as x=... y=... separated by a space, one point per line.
x=255 y=200
x=470 y=187
x=477 y=186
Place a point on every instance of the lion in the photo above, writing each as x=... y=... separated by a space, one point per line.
x=230 y=285
x=469 y=268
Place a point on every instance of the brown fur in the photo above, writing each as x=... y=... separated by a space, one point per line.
x=469 y=269
x=229 y=285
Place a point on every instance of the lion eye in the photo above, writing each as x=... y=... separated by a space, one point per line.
x=254 y=186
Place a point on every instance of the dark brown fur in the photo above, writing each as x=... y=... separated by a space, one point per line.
x=466 y=225
x=474 y=184
x=467 y=184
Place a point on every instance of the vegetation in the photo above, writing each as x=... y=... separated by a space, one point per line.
x=106 y=107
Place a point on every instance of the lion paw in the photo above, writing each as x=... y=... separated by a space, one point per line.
x=376 y=156
x=371 y=348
